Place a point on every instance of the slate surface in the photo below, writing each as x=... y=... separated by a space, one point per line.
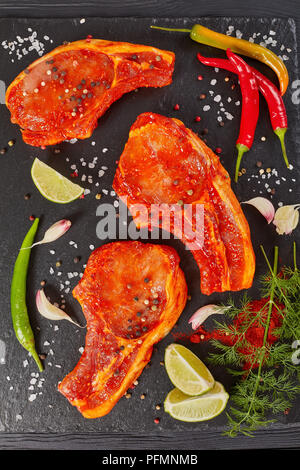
x=30 y=401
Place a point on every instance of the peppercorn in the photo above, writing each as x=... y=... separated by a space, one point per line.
x=76 y=259
x=27 y=196
x=202 y=96
x=2 y=151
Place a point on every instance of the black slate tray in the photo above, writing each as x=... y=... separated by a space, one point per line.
x=30 y=400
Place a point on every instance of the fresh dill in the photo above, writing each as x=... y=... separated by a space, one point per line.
x=267 y=378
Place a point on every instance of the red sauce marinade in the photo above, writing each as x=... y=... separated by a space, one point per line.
x=254 y=334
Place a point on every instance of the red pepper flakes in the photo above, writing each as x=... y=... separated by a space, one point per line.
x=156 y=420
x=254 y=335
x=82 y=196
x=176 y=107
x=43 y=147
x=74 y=174
x=195 y=338
x=89 y=37
x=200 y=77
x=31 y=217
x=218 y=150
x=197 y=118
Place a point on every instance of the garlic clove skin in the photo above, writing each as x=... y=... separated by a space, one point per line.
x=286 y=219
x=264 y=206
x=203 y=313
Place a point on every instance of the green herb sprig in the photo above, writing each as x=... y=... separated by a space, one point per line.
x=271 y=382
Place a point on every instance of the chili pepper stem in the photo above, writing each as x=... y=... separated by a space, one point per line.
x=280 y=132
x=171 y=29
x=241 y=150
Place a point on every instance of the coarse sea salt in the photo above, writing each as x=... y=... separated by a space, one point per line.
x=21 y=46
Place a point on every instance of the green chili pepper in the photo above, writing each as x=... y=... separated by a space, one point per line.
x=209 y=37
x=19 y=312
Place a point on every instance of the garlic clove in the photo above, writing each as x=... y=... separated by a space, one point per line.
x=50 y=311
x=286 y=219
x=54 y=232
x=264 y=206
x=203 y=313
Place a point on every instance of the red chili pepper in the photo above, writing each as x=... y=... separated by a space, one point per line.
x=250 y=107
x=269 y=91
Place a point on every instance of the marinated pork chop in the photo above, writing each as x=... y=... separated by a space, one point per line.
x=61 y=95
x=165 y=164
x=132 y=294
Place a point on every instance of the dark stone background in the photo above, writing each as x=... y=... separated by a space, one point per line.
x=49 y=421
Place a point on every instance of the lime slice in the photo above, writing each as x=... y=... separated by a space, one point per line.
x=200 y=408
x=186 y=371
x=52 y=185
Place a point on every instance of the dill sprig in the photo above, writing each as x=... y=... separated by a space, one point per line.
x=270 y=382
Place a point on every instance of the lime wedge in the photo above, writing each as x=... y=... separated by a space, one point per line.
x=52 y=185
x=200 y=408
x=186 y=371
